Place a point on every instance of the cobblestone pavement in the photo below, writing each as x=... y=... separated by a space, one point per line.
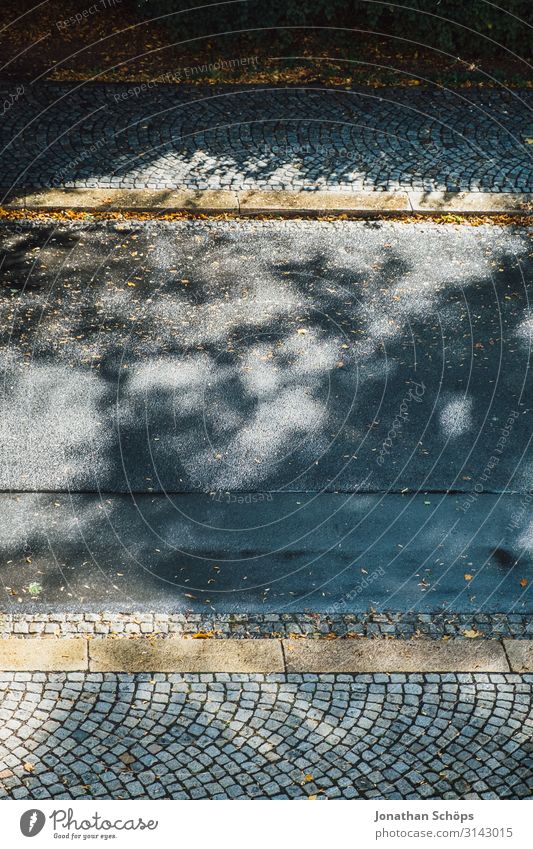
x=400 y=625
x=268 y=138
x=79 y=735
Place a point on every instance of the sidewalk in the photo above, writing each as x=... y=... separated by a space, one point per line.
x=270 y=736
x=267 y=138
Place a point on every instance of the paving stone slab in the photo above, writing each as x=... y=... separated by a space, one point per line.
x=520 y=654
x=470 y=202
x=43 y=655
x=286 y=202
x=390 y=656
x=84 y=199
x=186 y=656
x=282 y=203
x=159 y=200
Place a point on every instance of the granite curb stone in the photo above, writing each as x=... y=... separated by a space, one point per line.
x=520 y=654
x=392 y=656
x=67 y=655
x=270 y=656
x=186 y=656
x=276 y=203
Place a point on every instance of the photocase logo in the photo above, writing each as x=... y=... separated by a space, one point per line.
x=32 y=822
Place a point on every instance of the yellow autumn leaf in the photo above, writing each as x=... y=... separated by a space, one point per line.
x=468 y=577
x=523 y=582
x=28 y=767
x=471 y=634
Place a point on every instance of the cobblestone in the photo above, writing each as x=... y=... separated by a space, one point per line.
x=165 y=752
x=267 y=138
x=399 y=625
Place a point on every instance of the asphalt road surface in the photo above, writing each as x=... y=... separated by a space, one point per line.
x=260 y=414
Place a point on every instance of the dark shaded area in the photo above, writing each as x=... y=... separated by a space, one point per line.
x=449 y=42
x=334 y=554
x=472 y=29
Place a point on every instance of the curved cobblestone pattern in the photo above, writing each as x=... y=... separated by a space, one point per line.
x=78 y=735
x=268 y=138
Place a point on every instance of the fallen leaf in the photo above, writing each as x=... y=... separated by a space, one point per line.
x=468 y=577
x=28 y=767
x=471 y=634
x=523 y=582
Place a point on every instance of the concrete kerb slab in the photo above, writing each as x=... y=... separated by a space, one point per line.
x=395 y=656
x=265 y=655
x=125 y=200
x=520 y=655
x=280 y=203
x=468 y=203
x=67 y=655
x=178 y=655
x=322 y=203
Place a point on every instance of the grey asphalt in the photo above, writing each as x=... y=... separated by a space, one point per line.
x=335 y=554
x=294 y=404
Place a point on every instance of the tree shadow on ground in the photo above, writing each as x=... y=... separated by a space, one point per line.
x=299 y=137
x=194 y=358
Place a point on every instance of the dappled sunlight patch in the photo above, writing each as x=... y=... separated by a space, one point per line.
x=455 y=417
x=52 y=423
x=287 y=348
x=524 y=331
x=525 y=541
